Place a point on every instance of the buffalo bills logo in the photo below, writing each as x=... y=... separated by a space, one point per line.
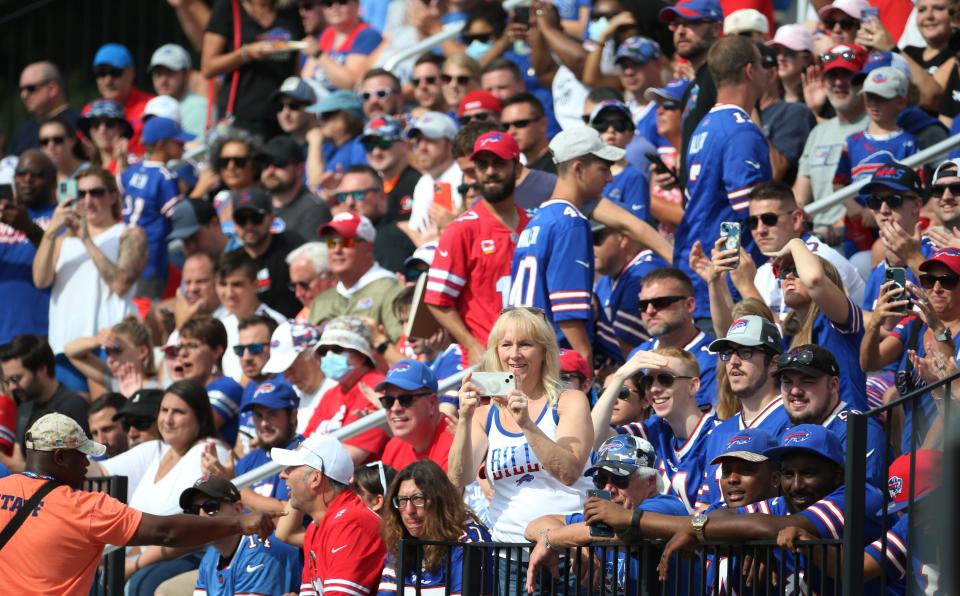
x=887 y=172
x=739 y=326
x=265 y=388
x=739 y=440
x=895 y=486
x=947 y=252
x=524 y=478
x=493 y=137
x=399 y=368
x=796 y=437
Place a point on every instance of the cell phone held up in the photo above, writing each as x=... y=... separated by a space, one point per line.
x=521 y=14
x=898 y=275
x=600 y=529
x=730 y=230
x=492 y=384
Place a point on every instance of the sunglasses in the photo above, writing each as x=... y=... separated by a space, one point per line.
x=248 y=217
x=669 y=105
x=113 y=73
x=480 y=37
x=947 y=282
x=303 y=285
x=334 y=243
x=21 y=172
x=481 y=117
x=254 y=349
x=519 y=124
x=237 y=161
x=96 y=123
x=57 y=140
x=875 y=202
x=329 y=3
x=293 y=106
x=429 y=80
x=418 y=501
x=847 y=55
x=937 y=190
x=802 y=357
x=96 y=193
x=378 y=93
x=659 y=303
x=600 y=480
x=665 y=380
x=335 y=349
x=405 y=401
x=462 y=80
x=209 y=507
x=113 y=350
x=618 y=124
x=742 y=353
x=783 y=272
x=846 y=24
x=140 y=424
x=371 y=143
x=624 y=393
x=357 y=195
x=768 y=219
x=30 y=89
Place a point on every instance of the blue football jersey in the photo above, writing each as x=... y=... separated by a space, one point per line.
x=271 y=486
x=630 y=189
x=553 y=266
x=270 y=568
x=150 y=191
x=863 y=154
x=699 y=347
x=619 y=317
x=681 y=463
x=225 y=398
x=926 y=567
x=878 y=275
x=727 y=156
x=436 y=581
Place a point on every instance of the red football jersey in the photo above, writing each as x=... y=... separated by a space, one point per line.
x=398 y=454
x=471 y=268
x=8 y=423
x=340 y=406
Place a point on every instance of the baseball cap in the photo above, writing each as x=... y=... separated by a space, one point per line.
x=848 y=56
x=424 y=253
x=289 y=339
x=347 y=332
x=276 y=394
x=433 y=125
x=810 y=359
x=851 y=8
x=105 y=108
x=746 y=19
x=295 y=88
x=794 y=37
x=499 y=143
x=946 y=169
x=339 y=101
x=409 y=375
x=578 y=141
x=572 y=361
x=384 y=127
x=947 y=256
x=640 y=49
x=611 y=105
x=113 y=54
x=170 y=56
x=877 y=60
x=159 y=129
x=750 y=444
x=321 y=452
x=56 y=431
x=215 y=487
x=478 y=99
x=283 y=150
x=252 y=198
x=812 y=438
x=188 y=216
x=145 y=403
x=672 y=91
x=886 y=81
x=896 y=176
x=926 y=479
x=750 y=331
x=693 y=10
x=163 y=106
x=350 y=225
x=622 y=455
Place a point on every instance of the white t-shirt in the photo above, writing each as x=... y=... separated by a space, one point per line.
x=231 y=362
x=423 y=196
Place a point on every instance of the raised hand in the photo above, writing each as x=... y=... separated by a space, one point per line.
x=701 y=263
x=640 y=361
x=814 y=88
x=515 y=404
x=469 y=397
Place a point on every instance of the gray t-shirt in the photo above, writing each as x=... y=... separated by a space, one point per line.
x=536 y=188
x=304 y=215
x=819 y=162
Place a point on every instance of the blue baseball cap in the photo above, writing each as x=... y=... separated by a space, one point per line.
x=276 y=394
x=811 y=438
x=339 y=101
x=113 y=54
x=672 y=91
x=693 y=10
x=622 y=455
x=384 y=127
x=409 y=375
x=895 y=176
x=877 y=60
x=611 y=104
x=105 y=108
x=159 y=129
x=749 y=445
x=639 y=49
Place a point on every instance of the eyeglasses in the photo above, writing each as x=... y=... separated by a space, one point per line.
x=947 y=282
x=138 y=423
x=618 y=124
x=57 y=140
x=519 y=124
x=21 y=172
x=293 y=106
x=600 y=480
x=418 y=501
x=191 y=345
x=481 y=117
x=768 y=219
x=329 y=3
x=334 y=243
x=381 y=93
x=659 y=303
x=787 y=54
x=303 y=285
x=665 y=380
x=210 y=507
x=846 y=24
x=32 y=87
x=239 y=161
x=371 y=143
x=624 y=393
x=669 y=105
x=783 y=272
x=357 y=195
x=96 y=193
x=103 y=72
x=468 y=39
x=462 y=80
x=114 y=350
x=742 y=353
x=937 y=190
x=802 y=357
x=847 y=55
x=249 y=217
x=463 y=189
x=96 y=123
x=335 y=349
x=429 y=80
x=875 y=202
x=596 y=16
x=405 y=401
x=254 y=349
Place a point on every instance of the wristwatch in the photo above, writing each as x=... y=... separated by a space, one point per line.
x=632 y=532
x=699 y=522
x=944 y=336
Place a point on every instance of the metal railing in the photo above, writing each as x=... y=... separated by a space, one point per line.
x=110 y=577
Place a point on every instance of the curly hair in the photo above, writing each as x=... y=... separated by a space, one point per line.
x=446 y=515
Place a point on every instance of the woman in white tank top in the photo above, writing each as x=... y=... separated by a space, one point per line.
x=537 y=439
x=93 y=266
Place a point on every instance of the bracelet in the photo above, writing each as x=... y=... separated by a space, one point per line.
x=545 y=538
x=136 y=564
x=243 y=54
x=632 y=532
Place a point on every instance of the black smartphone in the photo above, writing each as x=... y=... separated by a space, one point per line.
x=658 y=164
x=521 y=14
x=6 y=192
x=600 y=529
x=898 y=275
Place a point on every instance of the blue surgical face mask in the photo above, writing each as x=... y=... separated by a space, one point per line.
x=335 y=366
x=595 y=28
x=478 y=49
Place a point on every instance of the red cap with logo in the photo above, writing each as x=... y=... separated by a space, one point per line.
x=926 y=478
x=848 y=56
x=947 y=256
x=478 y=100
x=572 y=361
x=499 y=143
x=350 y=225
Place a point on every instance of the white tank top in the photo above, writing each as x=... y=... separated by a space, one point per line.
x=523 y=489
x=81 y=303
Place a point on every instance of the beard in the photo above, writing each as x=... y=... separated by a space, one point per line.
x=501 y=192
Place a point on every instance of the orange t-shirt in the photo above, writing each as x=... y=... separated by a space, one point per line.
x=57 y=550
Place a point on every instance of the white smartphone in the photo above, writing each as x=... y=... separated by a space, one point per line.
x=494 y=383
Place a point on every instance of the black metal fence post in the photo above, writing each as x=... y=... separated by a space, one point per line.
x=855 y=494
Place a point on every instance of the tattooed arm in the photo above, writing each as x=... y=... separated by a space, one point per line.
x=121 y=276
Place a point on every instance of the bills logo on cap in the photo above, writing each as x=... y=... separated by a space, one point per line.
x=887 y=172
x=493 y=137
x=879 y=77
x=472 y=105
x=739 y=440
x=265 y=388
x=739 y=326
x=895 y=486
x=947 y=252
x=399 y=368
x=797 y=437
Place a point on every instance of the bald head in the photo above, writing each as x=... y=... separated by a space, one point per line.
x=42 y=89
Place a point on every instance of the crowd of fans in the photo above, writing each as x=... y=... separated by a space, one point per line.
x=603 y=201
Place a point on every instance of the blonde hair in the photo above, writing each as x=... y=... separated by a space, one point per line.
x=684 y=356
x=728 y=405
x=465 y=62
x=132 y=328
x=802 y=330
x=533 y=326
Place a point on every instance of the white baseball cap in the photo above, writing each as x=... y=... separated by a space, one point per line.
x=886 y=81
x=746 y=19
x=170 y=56
x=321 y=452
x=163 y=106
x=851 y=8
x=433 y=125
x=794 y=37
x=289 y=339
x=581 y=140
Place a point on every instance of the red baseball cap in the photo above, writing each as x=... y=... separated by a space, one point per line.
x=350 y=225
x=926 y=478
x=499 y=143
x=572 y=361
x=848 y=56
x=948 y=256
x=479 y=100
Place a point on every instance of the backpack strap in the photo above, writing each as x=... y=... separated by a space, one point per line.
x=25 y=511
